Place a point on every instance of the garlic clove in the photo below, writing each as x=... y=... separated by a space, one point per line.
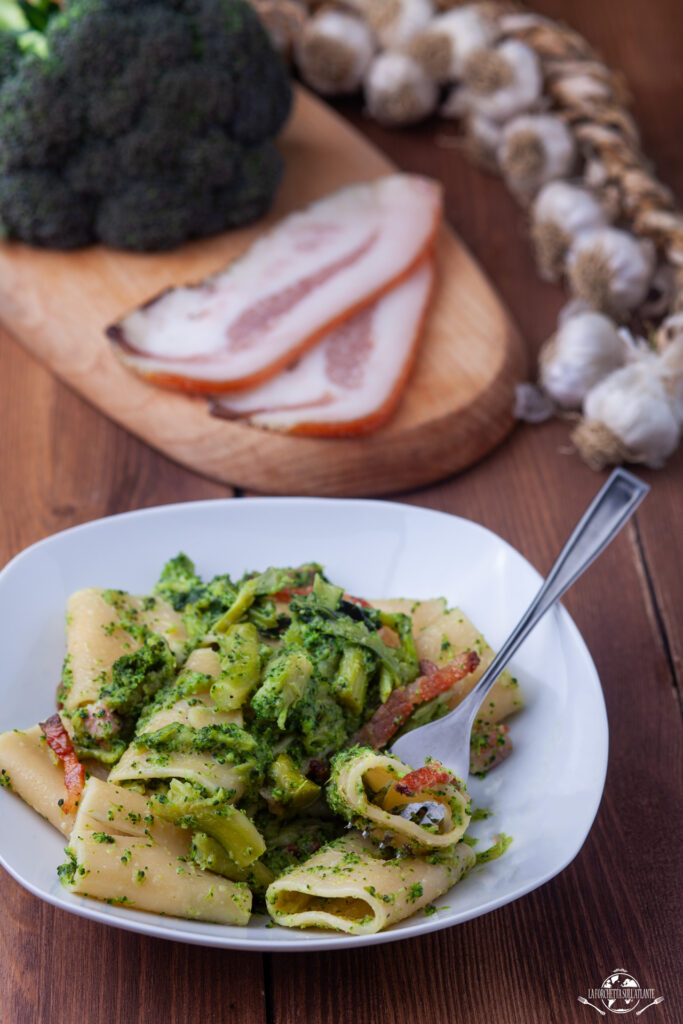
x=584 y=350
x=628 y=417
x=610 y=269
x=504 y=80
x=559 y=213
x=535 y=149
x=398 y=91
x=444 y=45
x=334 y=51
x=532 y=405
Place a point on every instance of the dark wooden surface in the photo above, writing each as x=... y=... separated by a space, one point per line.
x=619 y=903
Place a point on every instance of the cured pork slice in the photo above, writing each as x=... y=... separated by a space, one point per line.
x=311 y=271
x=352 y=379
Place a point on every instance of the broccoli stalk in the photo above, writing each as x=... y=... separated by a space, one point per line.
x=215 y=816
x=269 y=582
x=209 y=855
x=291 y=790
x=241 y=667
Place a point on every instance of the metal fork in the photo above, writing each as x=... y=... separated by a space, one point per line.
x=448 y=739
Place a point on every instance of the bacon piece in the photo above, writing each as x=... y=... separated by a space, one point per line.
x=429 y=686
x=59 y=742
x=399 y=705
x=422 y=778
x=314 y=270
x=491 y=744
x=350 y=382
x=101 y=721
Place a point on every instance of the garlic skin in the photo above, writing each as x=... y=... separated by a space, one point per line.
x=532 y=405
x=560 y=212
x=445 y=44
x=610 y=269
x=503 y=81
x=583 y=351
x=395 y=22
x=398 y=91
x=535 y=149
x=629 y=417
x=334 y=51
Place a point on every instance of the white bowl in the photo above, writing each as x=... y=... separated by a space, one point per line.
x=545 y=795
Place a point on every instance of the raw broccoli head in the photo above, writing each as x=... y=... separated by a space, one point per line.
x=138 y=123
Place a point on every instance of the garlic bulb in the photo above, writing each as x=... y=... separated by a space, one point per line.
x=559 y=213
x=610 y=269
x=445 y=44
x=632 y=416
x=535 y=149
x=585 y=349
x=333 y=52
x=398 y=91
x=504 y=80
x=395 y=22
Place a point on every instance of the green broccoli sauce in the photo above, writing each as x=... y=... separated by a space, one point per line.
x=303 y=680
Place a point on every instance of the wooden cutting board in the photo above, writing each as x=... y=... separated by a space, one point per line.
x=458 y=404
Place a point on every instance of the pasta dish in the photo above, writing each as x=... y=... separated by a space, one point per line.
x=220 y=748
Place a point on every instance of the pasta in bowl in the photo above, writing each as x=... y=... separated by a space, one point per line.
x=199 y=723
x=370 y=547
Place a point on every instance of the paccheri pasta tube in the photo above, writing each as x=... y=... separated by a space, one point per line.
x=27 y=767
x=185 y=735
x=348 y=886
x=121 y=649
x=228 y=716
x=426 y=809
x=122 y=853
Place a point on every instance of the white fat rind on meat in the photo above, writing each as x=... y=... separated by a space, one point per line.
x=351 y=373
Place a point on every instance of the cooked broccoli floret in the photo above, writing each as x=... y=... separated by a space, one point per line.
x=137 y=123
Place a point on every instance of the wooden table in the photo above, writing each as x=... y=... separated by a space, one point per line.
x=619 y=904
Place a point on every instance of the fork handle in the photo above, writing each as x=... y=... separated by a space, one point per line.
x=604 y=517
